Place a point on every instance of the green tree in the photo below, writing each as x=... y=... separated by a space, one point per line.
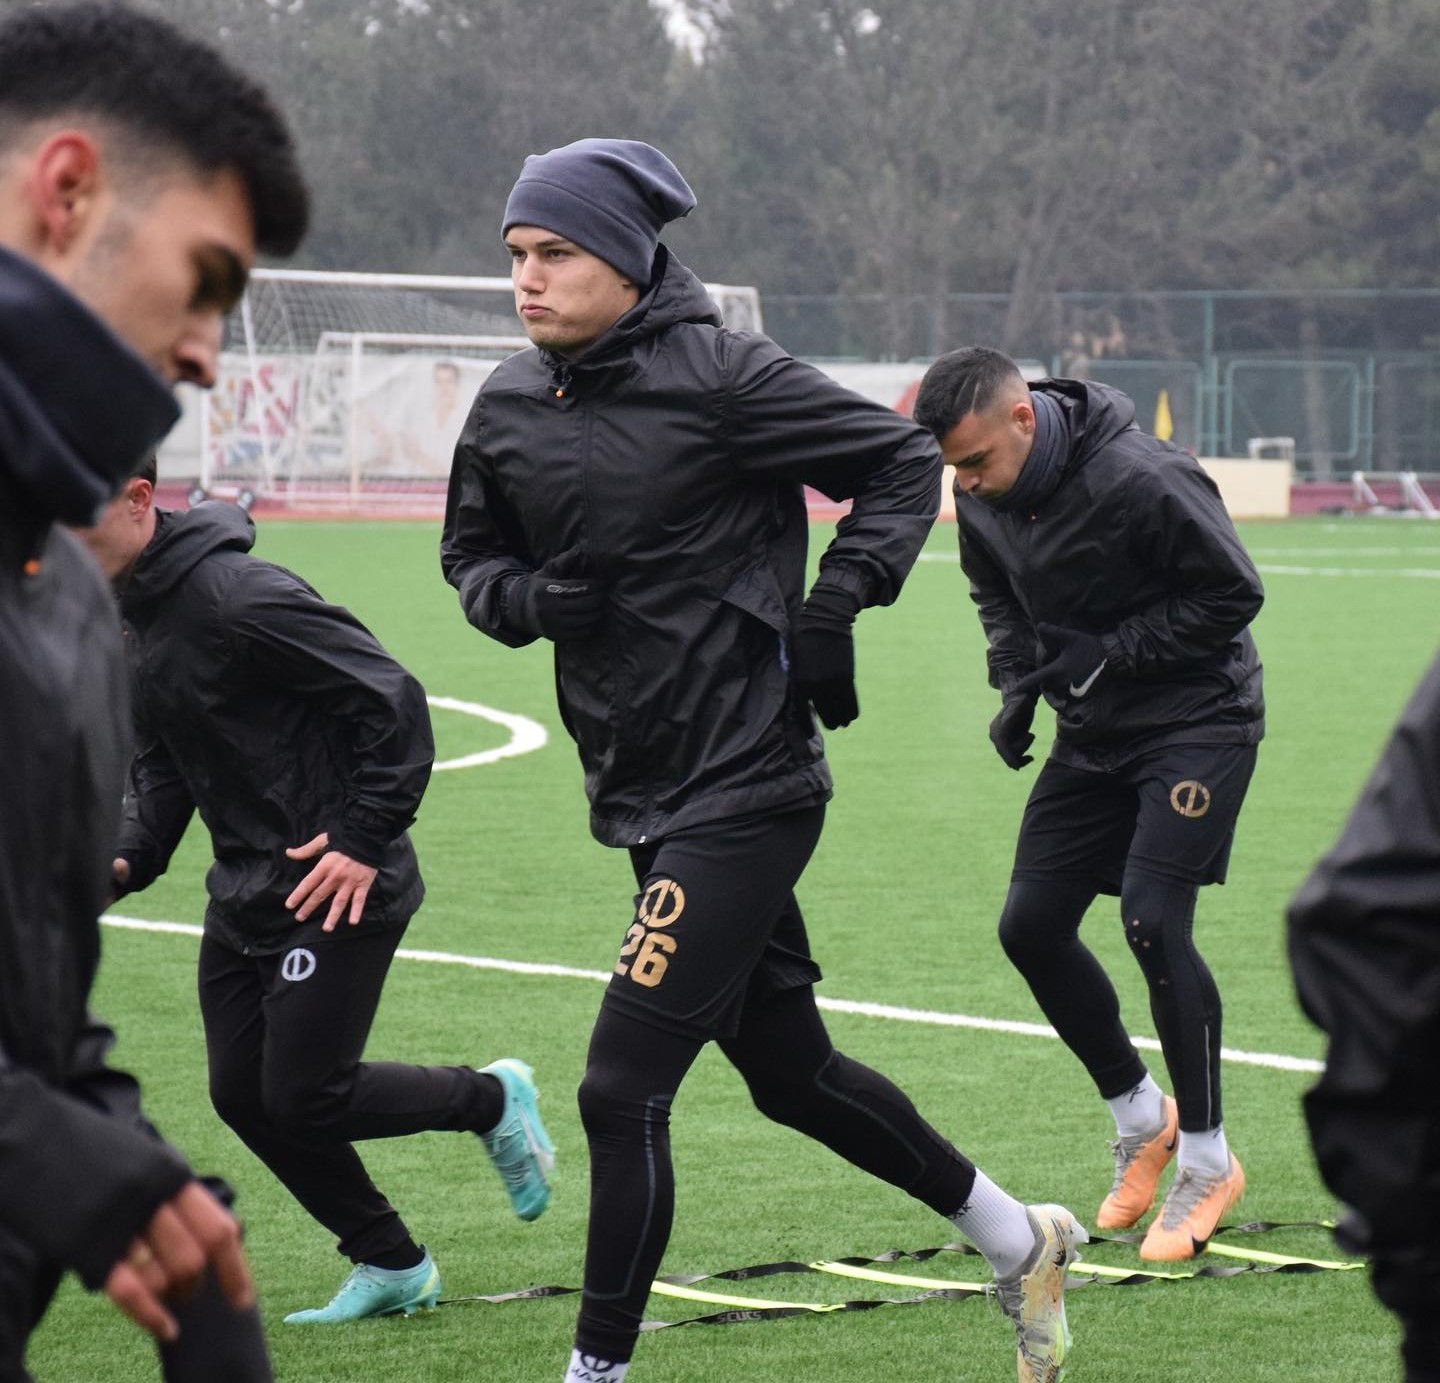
x=414 y=116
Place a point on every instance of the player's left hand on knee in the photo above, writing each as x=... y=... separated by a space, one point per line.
x=186 y=1237
x=344 y=881
x=1074 y=662
x=823 y=655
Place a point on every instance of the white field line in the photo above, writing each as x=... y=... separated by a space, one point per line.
x=526 y=735
x=1414 y=550
x=867 y=1010
x=1265 y=569
x=1424 y=573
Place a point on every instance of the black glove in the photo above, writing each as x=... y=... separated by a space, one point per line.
x=823 y=654
x=1073 y=662
x=560 y=601
x=1010 y=730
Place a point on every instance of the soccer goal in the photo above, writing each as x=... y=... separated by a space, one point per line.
x=1411 y=499
x=349 y=390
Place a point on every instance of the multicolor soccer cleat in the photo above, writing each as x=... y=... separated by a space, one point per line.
x=1034 y=1298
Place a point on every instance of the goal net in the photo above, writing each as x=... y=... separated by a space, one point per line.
x=349 y=390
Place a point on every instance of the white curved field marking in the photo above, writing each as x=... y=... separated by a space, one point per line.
x=526 y=735
x=1275 y=1061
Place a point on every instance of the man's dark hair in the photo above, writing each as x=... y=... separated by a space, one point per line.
x=963 y=382
x=155 y=84
x=148 y=469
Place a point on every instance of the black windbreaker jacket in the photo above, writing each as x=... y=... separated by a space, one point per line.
x=673 y=452
x=277 y=716
x=1364 y=934
x=1132 y=543
x=77 y=411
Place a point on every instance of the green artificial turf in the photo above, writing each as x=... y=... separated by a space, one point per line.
x=901 y=900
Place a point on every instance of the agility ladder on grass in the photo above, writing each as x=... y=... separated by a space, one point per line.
x=739 y=1309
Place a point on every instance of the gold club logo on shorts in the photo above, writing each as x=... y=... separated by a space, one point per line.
x=645 y=954
x=1190 y=798
x=661 y=903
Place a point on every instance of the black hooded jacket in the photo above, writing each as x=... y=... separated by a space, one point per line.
x=673 y=453
x=78 y=409
x=1130 y=541
x=1364 y=933
x=277 y=716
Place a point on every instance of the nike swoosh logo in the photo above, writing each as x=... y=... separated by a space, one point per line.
x=1088 y=682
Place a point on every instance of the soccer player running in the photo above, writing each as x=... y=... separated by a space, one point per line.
x=632 y=490
x=306 y=749
x=1110 y=579
x=1364 y=934
x=139 y=173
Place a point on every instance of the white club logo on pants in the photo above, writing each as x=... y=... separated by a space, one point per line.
x=298 y=965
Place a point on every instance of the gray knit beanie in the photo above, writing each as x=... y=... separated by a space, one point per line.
x=610 y=196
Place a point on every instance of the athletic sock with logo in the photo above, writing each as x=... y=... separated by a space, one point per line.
x=590 y=1368
x=1140 y=1111
x=1206 y=1154
x=997 y=1224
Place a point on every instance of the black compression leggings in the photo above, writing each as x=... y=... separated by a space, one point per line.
x=795 y=1077
x=1040 y=931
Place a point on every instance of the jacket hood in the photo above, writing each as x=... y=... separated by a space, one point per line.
x=1094 y=413
x=675 y=295
x=79 y=409
x=182 y=539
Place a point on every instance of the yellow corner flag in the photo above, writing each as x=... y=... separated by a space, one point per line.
x=1164 y=424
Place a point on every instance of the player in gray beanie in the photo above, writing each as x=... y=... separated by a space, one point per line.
x=610 y=196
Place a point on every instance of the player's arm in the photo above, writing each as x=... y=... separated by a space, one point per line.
x=1010 y=646
x=789 y=418
x=76 y=1184
x=1178 y=526
x=481 y=551
x=281 y=633
x=158 y=808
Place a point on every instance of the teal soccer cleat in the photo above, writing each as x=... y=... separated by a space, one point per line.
x=518 y=1145
x=377 y=1292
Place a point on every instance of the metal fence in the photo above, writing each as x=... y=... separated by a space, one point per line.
x=1353 y=376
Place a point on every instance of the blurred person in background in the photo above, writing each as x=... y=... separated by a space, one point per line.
x=1364 y=933
x=139 y=174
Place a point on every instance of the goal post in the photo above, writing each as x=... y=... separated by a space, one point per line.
x=349 y=390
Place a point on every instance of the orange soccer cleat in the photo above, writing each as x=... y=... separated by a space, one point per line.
x=1138 y=1165
x=1193 y=1207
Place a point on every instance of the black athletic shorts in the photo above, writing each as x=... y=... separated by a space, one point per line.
x=1172 y=810
x=716 y=923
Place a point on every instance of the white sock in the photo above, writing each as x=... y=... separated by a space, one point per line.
x=1206 y=1154
x=998 y=1225
x=591 y=1368
x=1140 y=1110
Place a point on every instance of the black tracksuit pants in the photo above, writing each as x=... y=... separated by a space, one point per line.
x=716 y=906
x=284 y=1035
